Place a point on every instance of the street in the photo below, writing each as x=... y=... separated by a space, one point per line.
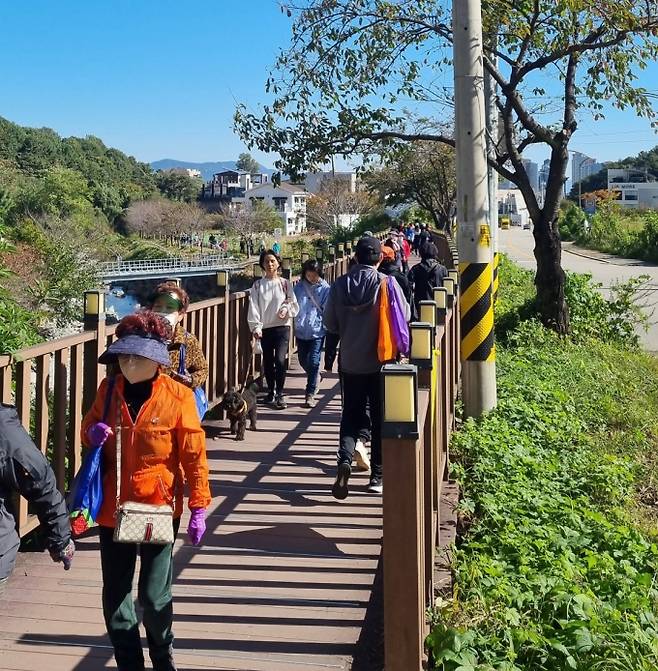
x=604 y=268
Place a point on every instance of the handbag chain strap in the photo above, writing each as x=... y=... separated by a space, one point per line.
x=117 y=440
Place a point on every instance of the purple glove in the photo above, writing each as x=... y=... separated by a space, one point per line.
x=197 y=526
x=98 y=433
x=65 y=554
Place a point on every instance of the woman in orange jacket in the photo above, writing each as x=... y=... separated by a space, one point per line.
x=161 y=440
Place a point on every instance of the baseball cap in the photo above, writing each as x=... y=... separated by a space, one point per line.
x=368 y=250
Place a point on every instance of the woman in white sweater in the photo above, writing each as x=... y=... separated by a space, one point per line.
x=272 y=307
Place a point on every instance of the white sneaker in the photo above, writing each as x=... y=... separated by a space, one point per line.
x=361 y=456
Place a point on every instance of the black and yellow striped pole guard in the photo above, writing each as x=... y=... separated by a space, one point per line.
x=477 y=319
x=496 y=263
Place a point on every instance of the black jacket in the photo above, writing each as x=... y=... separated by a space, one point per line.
x=424 y=276
x=389 y=268
x=24 y=469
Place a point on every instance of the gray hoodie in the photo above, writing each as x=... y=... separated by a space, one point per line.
x=352 y=311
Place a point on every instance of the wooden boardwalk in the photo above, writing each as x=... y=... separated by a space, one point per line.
x=282 y=581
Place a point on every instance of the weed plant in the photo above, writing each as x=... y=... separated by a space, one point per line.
x=556 y=568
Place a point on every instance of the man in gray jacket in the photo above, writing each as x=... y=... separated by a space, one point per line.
x=352 y=312
x=24 y=470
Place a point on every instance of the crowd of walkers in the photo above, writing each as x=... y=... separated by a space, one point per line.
x=143 y=434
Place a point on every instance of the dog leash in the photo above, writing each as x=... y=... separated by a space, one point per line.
x=250 y=367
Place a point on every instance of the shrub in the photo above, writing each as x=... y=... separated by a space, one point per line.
x=556 y=568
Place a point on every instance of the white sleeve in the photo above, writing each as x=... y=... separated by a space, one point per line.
x=254 y=317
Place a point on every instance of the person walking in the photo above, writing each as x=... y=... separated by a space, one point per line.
x=276 y=248
x=388 y=267
x=272 y=307
x=172 y=302
x=426 y=275
x=352 y=311
x=24 y=470
x=311 y=292
x=152 y=437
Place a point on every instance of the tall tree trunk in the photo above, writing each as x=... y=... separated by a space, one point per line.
x=550 y=278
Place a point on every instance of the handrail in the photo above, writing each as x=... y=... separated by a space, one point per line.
x=413 y=498
x=52 y=384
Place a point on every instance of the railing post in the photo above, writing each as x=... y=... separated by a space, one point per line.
x=449 y=285
x=403 y=548
x=94 y=320
x=441 y=300
x=423 y=339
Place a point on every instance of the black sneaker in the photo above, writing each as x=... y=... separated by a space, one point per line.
x=376 y=485
x=339 y=490
x=269 y=399
x=280 y=403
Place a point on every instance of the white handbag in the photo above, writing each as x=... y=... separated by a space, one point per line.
x=139 y=522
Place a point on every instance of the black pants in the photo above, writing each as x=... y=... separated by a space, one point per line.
x=330 y=350
x=275 y=348
x=360 y=394
x=154 y=592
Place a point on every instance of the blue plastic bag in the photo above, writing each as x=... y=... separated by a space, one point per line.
x=199 y=392
x=86 y=495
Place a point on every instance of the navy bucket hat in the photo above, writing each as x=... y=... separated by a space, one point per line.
x=138 y=345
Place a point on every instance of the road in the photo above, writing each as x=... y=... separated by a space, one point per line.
x=604 y=268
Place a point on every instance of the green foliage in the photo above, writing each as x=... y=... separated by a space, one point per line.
x=571 y=222
x=247 y=163
x=178 y=185
x=632 y=234
x=556 y=570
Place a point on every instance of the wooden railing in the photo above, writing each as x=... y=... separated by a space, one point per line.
x=415 y=469
x=53 y=384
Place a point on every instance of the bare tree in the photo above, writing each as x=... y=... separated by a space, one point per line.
x=335 y=206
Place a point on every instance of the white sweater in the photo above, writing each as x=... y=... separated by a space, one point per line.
x=265 y=299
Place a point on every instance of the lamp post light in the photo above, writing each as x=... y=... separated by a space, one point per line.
x=94 y=304
x=400 y=401
x=422 y=336
x=440 y=297
x=256 y=270
x=449 y=285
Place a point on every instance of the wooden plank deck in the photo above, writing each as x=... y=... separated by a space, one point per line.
x=283 y=579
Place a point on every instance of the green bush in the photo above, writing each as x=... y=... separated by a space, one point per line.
x=557 y=564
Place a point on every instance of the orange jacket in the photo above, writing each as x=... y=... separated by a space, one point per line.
x=166 y=436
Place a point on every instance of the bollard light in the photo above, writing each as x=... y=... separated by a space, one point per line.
x=340 y=249
x=319 y=253
x=400 y=401
x=449 y=285
x=421 y=344
x=348 y=248
x=427 y=312
x=173 y=280
x=256 y=270
x=440 y=296
x=222 y=278
x=454 y=276
x=305 y=257
x=286 y=263
x=94 y=302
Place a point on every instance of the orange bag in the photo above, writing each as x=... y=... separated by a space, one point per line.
x=386 y=348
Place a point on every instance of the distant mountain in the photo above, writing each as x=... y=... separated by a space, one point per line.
x=207 y=169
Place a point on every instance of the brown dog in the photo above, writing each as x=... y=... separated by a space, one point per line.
x=238 y=406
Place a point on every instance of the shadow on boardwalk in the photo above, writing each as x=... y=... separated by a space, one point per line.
x=283 y=580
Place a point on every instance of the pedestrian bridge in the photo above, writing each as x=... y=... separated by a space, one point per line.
x=190 y=266
x=286 y=577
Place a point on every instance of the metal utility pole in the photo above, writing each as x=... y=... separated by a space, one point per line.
x=474 y=234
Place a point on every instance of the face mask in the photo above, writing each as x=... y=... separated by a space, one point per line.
x=137 y=368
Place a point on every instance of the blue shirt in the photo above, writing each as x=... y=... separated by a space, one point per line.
x=308 y=323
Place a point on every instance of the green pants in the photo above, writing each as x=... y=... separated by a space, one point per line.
x=118 y=562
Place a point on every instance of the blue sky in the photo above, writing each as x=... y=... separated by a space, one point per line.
x=160 y=78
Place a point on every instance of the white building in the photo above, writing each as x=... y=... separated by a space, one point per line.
x=315 y=181
x=289 y=200
x=633 y=188
x=192 y=172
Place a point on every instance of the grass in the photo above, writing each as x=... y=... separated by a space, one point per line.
x=556 y=568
